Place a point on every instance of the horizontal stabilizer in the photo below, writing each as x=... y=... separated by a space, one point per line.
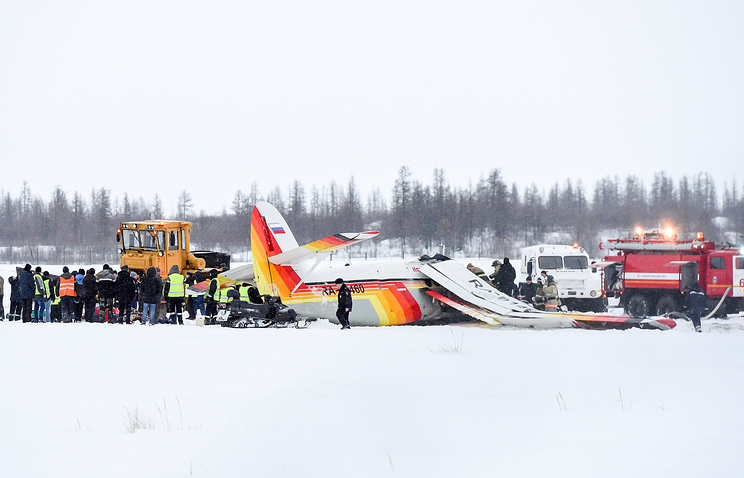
x=321 y=246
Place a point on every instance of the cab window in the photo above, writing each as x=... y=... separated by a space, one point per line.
x=717 y=263
x=149 y=240
x=131 y=239
x=739 y=263
x=549 y=262
x=173 y=240
x=576 y=262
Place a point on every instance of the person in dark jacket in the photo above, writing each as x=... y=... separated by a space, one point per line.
x=16 y=303
x=344 y=304
x=151 y=289
x=211 y=297
x=125 y=292
x=106 y=293
x=28 y=290
x=78 y=302
x=527 y=290
x=2 y=294
x=504 y=278
x=695 y=301
x=90 y=289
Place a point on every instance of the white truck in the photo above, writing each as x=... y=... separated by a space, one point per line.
x=579 y=286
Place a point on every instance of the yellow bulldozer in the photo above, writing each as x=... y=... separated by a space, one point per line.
x=163 y=244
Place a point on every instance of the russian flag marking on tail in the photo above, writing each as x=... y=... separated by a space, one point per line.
x=277 y=228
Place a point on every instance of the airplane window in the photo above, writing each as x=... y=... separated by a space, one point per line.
x=576 y=262
x=549 y=262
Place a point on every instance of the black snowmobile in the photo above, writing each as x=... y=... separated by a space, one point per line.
x=262 y=311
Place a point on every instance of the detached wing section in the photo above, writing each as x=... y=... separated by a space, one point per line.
x=321 y=246
x=477 y=298
x=467 y=286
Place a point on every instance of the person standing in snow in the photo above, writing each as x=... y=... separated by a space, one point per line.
x=175 y=291
x=16 y=303
x=125 y=291
x=150 y=293
x=90 y=289
x=67 y=295
x=49 y=286
x=198 y=300
x=106 y=293
x=78 y=300
x=504 y=278
x=695 y=302
x=344 y=304
x=527 y=290
x=550 y=295
x=211 y=297
x=2 y=295
x=28 y=291
x=40 y=296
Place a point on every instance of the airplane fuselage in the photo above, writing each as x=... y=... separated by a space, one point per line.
x=383 y=292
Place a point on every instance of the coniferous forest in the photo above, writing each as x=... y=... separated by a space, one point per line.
x=490 y=218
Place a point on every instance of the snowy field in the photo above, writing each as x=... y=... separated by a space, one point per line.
x=100 y=400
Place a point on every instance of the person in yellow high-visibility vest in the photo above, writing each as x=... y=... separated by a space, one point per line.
x=175 y=291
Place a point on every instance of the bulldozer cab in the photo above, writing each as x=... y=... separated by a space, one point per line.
x=160 y=244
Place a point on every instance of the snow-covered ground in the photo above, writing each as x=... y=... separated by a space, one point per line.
x=94 y=400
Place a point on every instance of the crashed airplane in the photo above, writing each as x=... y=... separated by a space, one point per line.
x=393 y=292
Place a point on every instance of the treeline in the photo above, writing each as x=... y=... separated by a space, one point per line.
x=491 y=218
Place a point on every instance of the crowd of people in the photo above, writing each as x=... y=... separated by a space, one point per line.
x=112 y=296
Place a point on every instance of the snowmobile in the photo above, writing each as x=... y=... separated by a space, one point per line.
x=269 y=313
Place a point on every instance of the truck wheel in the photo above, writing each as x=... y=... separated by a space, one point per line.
x=638 y=306
x=667 y=304
x=599 y=305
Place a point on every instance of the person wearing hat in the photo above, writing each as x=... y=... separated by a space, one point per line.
x=496 y=266
x=344 y=304
x=539 y=299
x=211 y=297
x=16 y=304
x=106 y=293
x=478 y=271
x=527 y=290
x=28 y=291
x=550 y=295
x=67 y=295
x=504 y=278
x=126 y=289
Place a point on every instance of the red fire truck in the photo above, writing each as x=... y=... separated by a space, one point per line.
x=651 y=272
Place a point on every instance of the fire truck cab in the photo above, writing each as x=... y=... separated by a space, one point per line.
x=651 y=272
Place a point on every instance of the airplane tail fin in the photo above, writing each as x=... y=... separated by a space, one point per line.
x=270 y=235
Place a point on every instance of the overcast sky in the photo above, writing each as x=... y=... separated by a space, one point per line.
x=209 y=96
